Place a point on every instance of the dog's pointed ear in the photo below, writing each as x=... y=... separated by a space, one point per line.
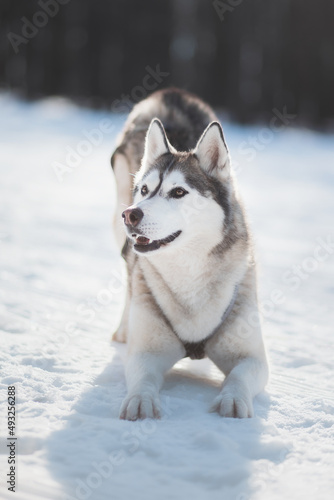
x=212 y=152
x=156 y=143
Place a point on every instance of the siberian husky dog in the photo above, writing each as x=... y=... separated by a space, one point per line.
x=191 y=270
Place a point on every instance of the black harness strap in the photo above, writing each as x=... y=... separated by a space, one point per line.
x=195 y=350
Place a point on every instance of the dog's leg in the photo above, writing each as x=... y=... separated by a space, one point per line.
x=124 y=184
x=121 y=170
x=121 y=334
x=239 y=352
x=145 y=375
x=245 y=380
x=153 y=349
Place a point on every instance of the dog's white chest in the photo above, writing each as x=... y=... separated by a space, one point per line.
x=193 y=300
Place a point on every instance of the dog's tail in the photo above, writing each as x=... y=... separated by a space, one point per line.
x=121 y=168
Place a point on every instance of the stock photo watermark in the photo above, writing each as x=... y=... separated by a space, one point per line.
x=223 y=7
x=11 y=441
x=259 y=141
x=93 y=138
x=31 y=27
x=293 y=278
x=131 y=441
x=74 y=156
x=301 y=272
x=87 y=312
x=272 y=470
x=265 y=135
x=153 y=78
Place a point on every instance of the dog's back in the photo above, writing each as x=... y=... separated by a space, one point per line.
x=184 y=117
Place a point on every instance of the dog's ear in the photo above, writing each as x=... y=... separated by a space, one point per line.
x=156 y=143
x=212 y=152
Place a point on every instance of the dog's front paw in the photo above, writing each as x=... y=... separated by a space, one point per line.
x=139 y=406
x=233 y=404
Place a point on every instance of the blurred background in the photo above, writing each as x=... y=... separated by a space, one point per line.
x=244 y=56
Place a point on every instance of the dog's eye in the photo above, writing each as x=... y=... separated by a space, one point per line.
x=178 y=192
x=144 y=190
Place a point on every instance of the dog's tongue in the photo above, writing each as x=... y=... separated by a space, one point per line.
x=141 y=240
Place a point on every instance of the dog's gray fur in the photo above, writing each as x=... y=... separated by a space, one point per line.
x=179 y=291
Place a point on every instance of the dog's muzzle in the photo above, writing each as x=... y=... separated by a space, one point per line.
x=132 y=218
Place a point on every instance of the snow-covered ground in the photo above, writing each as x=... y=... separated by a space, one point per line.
x=61 y=286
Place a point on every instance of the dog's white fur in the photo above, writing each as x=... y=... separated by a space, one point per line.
x=179 y=292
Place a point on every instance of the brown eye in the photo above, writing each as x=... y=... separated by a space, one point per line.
x=144 y=190
x=178 y=192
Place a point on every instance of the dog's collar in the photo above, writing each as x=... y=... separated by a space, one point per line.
x=196 y=350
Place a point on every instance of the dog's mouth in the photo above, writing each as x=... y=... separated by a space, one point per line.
x=143 y=244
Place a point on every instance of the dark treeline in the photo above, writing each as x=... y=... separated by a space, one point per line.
x=246 y=56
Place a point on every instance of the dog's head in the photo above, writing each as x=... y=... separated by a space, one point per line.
x=180 y=199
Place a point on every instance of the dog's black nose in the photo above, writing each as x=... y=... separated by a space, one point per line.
x=132 y=216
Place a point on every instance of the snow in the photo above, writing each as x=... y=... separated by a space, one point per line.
x=62 y=288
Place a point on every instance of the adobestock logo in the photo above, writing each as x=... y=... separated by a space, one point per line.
x=30 y=28
x=150 y=82
x=294 y=278
x=223 y=7
x=131 y=440
x=301 y=272
x=74 y=155
x=249 y=149
x=93 y=138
